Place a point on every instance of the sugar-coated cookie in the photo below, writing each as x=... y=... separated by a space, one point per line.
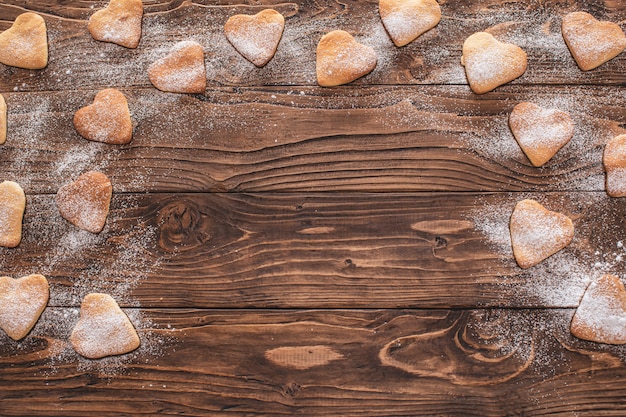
x=3 y=120
x=119 y=23
x=614 y=160
x=538 y=233
x=406 y=20
x=591 y=42
x=490 y=63
x=12 y=206
x=21 y=303
x=85 y=202
x=25 y=44
x=256 y=37
x=103 y=329
x=106 y=120
x=540 y=132
x=341 y=59
x=181 y=70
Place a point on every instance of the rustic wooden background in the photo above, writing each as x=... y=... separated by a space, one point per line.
x=286 y=249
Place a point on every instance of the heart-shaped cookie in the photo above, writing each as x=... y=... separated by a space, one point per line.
x=25 y=44
x=405 y=20
x=341 y=59
x=119 y=23
x=256 y=37
x=591 y=42
x=538 y=233
x=614 y=160
x=85 y=202
x=601 y=315
x=106 y=120
x=3 y=120
x=180 y=71
x=21 y=303
x=540 y=132
x=12 y=206
x=490 y=63
x=103 y=329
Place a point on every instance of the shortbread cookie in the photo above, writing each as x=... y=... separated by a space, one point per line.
x=12 y=206
x=615 y=166
x=85 y=202
x=119 y=23
x=592 y=43
x=601 y=315
x=538 y=233
x=406 y=20
x=341 y=59
x=25 y=44
x=180 y=71
x=540 y=132
x=256 y=37
x=106 y=120
x=21 y=303
x=103 y=329
x=490 y=63
x=3 y=120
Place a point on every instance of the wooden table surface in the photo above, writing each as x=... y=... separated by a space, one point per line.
x=287 y=249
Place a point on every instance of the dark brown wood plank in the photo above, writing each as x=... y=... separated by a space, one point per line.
x=77 y=61
x=312 y=139
x=349 y=363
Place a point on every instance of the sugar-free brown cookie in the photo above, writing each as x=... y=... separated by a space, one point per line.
x=256 y=37
x=490 y=63
x=180 y=71
x=106 y=120
x=25 y=44
x=85 y=202
x=103 y=329
x=3 y=120
x=540 y=132
x=591 y=42
x=12 y=206
x=406 y=20
x=601 y=315
x=538 y=233
x=341 y=59
x=615 y=166
x=119 y=23
x=21 y=303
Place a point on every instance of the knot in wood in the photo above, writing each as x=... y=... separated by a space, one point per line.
x=182 y=226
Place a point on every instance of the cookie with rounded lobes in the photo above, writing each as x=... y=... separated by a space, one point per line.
x=406 y=20
x=3 y=120
x=256 y=37
x=21 y=303
x=103 y=329
x=181 y=70
x=341 y=59
x=614 y=161
x=85 y=202
x=119 y=23
x=25 y=44
x=601 y=315
x=591 y=42
x=12 y=206
x=538 y=233
x=490 y=63
x=540 y=132
x=106 y=120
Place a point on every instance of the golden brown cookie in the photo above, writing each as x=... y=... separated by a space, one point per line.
x=106 y=120
x=601 y=315
x=25 y=44
x=615 y=166
x=591 y=42
x=103 y=329
x=538 y=233
x=12 y=206
x=3 y=120
x=119 y=23
x=180 y=71
x=85 y=202
x=490 y=63
x=406 y=20
x=341 y=59
x=540 y=132
x=256 y=37
x=21 y=303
